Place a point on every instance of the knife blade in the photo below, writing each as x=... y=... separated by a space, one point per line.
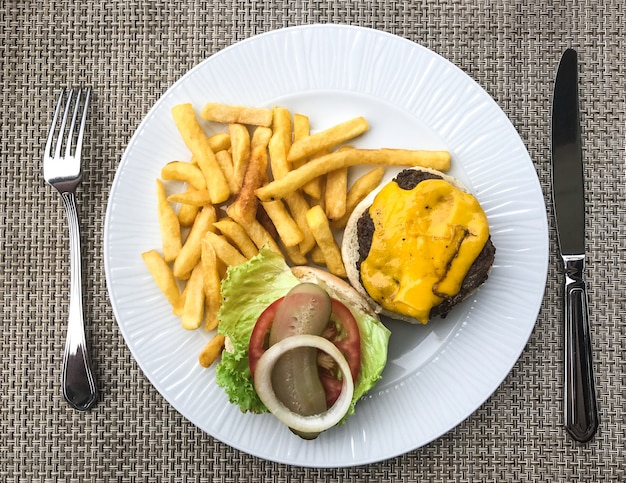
x=580 y=407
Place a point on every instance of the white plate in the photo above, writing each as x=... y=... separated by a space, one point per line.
x=437 y=375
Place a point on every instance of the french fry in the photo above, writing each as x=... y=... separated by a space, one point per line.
x=163 y=276
x=278 y=149
x=317 y=256
x=169 y=225
x=314 y=188
x=224 y=250
x=259 y=235
x=296 y=178
x=193 y=310
x=187 y=213
x=211 y=282
x=198 y=143
x=335 y=193
x=287 y=228
x=281 y=125
x=183 y=171
x=237 y=235
x=194 y=198
x=224 y=159
x=263 y=218
x=240 y=152
x=219 y=142
x=211 y=350
x=298 y=206
x=243 y=209
x=295 y=255
x=301 y=130
x=178 y=311
x=192 y=249
x=301 y=127
x=357 y=193
x=228 y=114
x=323 y=235
x=327 y=139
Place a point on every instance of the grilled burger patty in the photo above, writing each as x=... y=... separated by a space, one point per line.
x=478 y=272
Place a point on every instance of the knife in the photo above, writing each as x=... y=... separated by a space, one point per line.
x=581 y=416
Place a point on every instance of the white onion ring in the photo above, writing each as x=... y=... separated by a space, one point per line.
x=263 y=385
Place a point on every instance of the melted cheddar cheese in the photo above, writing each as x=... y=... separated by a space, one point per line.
x=424 y=242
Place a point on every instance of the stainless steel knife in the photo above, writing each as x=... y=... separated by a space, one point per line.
x=581 y=415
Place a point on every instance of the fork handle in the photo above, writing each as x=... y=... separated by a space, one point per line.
x=79 y=387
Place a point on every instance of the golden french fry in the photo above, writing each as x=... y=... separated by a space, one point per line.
x=314 y=188
x=240 y=152
x=219 y=142
x=357 y=192
x=244 y=208
x=327 y=139
x=323 y=235
x=278 y=155
x=281 y=124
x=226 y=113
x=296 y=178
x=163 y=276
x=224 y=250
x=237 y=235
x=192 y=249
x=287 y=228
x=169 y=225
x=193 y=311
x=278 y=146
x=193 y=198
x=224 y=159
x=295 y=255
x=335 y=193
x=187 y=213
x=259 y=235
x=183 y=171
x=317 y=256
x=178 y=311
x=196 y=140
x=298 y=206
x=301 y=127
x=212 y=284
x=263 y=218
x=212 y=350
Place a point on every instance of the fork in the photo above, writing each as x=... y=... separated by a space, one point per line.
x=62 y=170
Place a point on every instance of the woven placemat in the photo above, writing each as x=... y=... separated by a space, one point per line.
x=130 y=52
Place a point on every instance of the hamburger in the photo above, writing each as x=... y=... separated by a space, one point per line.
x=418 y=246
x=301 y=343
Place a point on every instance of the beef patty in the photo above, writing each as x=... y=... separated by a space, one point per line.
x=478 y=272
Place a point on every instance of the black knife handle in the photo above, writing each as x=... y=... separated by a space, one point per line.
x=581 y=414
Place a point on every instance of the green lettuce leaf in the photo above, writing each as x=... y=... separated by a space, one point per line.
x=247 y=290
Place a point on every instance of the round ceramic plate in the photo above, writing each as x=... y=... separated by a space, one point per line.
x=437 y=374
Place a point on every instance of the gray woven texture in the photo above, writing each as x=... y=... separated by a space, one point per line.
x=130 y=52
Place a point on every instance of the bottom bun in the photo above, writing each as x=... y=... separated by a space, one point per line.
x=335 y=286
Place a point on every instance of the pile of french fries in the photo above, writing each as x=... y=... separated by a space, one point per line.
x=264 y=181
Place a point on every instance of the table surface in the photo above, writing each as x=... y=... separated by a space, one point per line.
x=130 y=52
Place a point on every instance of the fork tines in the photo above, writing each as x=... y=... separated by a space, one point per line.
x=67 y=136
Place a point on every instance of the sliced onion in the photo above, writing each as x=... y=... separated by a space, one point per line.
x=263 y=385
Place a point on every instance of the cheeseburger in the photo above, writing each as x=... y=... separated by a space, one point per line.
x=418 y=246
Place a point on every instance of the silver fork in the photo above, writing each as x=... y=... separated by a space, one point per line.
x=62 y=170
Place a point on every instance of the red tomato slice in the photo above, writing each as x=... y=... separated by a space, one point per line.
x=256 y=346
x=349 y=343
